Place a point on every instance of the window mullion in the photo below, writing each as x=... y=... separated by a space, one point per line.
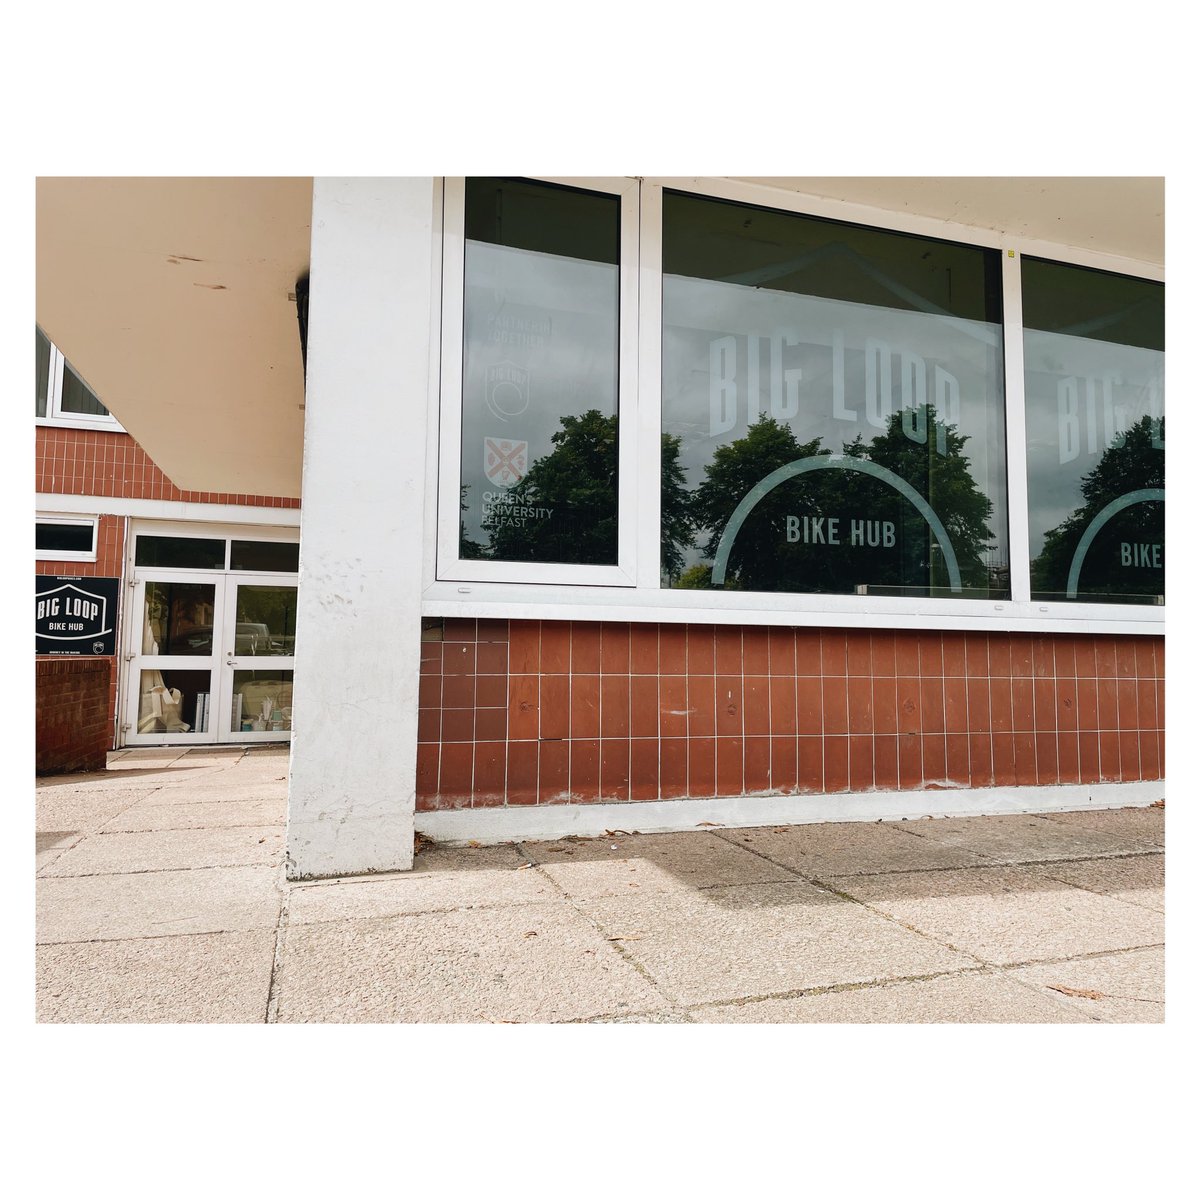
x=648 y=516
x=1014 y=428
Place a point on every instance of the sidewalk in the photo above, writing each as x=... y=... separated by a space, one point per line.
x=161 y=897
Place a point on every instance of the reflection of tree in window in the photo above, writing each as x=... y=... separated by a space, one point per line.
x=467 y=546
x=1116 y=566
x=879 y=543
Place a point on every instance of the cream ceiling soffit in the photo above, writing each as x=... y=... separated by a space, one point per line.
x=1119 y=215
x=174 y=300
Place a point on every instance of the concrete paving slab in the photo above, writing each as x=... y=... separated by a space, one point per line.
x=1138 y=828
x=170 y=850
x=135 y=757
x=85 y=811
x=850 y=848
x=535 y=963
x=1009 y=914
x=49 y=844
x=954 y=999
x=148 y=817
x=755 y=941
x=1122 y=988
x=442 y=878
x=1138 y=880
x=153 y=904
x=655 y=862
x=1019 y=838
x=216 y=978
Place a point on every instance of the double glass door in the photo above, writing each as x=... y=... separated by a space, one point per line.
x=210 y=657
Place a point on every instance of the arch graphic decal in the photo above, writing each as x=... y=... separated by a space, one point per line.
x=843 y=462
x=1098 y=522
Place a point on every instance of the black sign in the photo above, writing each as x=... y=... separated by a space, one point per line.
x=76 y=614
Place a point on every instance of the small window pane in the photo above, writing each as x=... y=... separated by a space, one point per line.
x=540 y=344
x=261 y=702
x=77 y=397
x=1095 y=434
x=195 y=553
x=72 y=539
x=42 y=360
x=264 y=556
x=833 y=407
x=178 y=618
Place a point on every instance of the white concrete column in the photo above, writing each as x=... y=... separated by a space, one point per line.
x=353 y=765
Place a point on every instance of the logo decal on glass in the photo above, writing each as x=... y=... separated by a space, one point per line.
x=507 y=390
x=505 y=462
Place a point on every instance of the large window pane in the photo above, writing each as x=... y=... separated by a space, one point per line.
x=178 y=618
x=539 y=421
x=833 y=415
x=1095 y=433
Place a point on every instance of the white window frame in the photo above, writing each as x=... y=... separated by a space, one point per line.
x=450 y=566
x=469 y=588
x=89 y=522
x=55 y=415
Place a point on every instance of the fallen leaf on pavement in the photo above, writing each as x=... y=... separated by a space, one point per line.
x=714 y=824
x=530 y=933
x=1085 y=993
x=474 y=843
x=617 y=833
x=1159 y=804
x=626 y=937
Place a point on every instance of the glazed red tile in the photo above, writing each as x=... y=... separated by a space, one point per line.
x=976 y=655
x=1064 y=656
x=1000 y=655
x=585 y=769
x=837 y=764
x=643 y=649
x=701 y=706
x=554 y=706
x=781 y=651
x=614 y=768
x=860 y=705
x=1046 y=750
x=909 y=760
x=458 y=724
x=1130 y=749
x=1043 y=656
x=954 y=655
x=522 y=773
x=808 y=652
x=672 y=650
x=1085 y=657
x=1020 y=646
x=958 y=760
x=431 y=658
x=702 y=766
x=1110 y=756
x=585 y=706
x=1127 y=704
x=1160 y=740
x=1045 y=709
x=755 y=653
x=643 y=769
x=862 y=762
x=783 y=764
x=1025 y=759
x=883 y=654
x=614 y=706
x=1086 y=704
x=643 y=706
x=808 y=705
x=728 y=656
x=782 y=702
x=491 y=724
x=884 y=713
x=673 y=706
x=491 y=630
x=756 y=705
x=1106 y=657
x=1000 y=702
x=459 y=629
x=458 y=691
x=728 y=705
x=887 y=768
x=1004 y=758
x=756 y=764
x=1067 y=706
x=429 y=725
x=1147 y=703
x=673 y=767
x=729 y=766
x=585 y=648
x=1160 y=657
x=1160 y=699
x=1126 y=653
x=458 y=658
x=491 y=691
x=858 y=652
x=933 y=706
x=429 y=692
x=954 y=695
x=1106 y=699
x=979 y=760
x=810 y=764
x=833 y=652
x=427 y=770
x=491 y=658
x=908 y=704
x=454 y=777
x=933 y=758
x=555 y=649
x=1089 y=757
x=554 y=772
x=614 y=648
x=929 y=654
x=1068 y=758
x=908 y=656
x=834 y=705
x=700 y=650
x=523 y=707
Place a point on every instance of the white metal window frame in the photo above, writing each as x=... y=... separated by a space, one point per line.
x=50 y=555
x=56 y=415
x=205 y=531
x=455 y=587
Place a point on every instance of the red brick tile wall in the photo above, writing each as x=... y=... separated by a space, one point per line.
x=73 y=729
x=529 y=712
x=88 y=462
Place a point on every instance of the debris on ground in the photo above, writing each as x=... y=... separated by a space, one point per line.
x=420 y=841
x=1083 y=993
